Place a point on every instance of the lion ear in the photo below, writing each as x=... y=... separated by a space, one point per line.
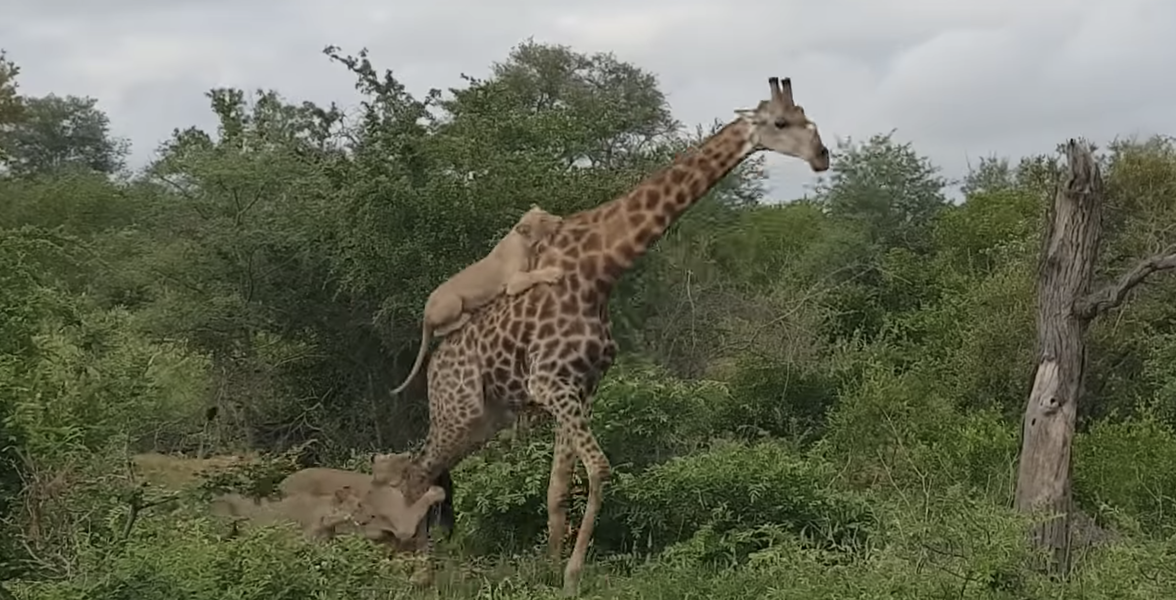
x=342 y=493
x=524 y=229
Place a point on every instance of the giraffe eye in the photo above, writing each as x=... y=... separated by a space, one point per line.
x=781 y=123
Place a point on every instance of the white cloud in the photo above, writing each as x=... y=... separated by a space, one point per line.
x=961 y=79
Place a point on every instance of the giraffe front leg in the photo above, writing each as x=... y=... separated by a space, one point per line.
x=563 y=463
x=422 y=557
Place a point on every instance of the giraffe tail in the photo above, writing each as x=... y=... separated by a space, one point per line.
x=426 y=332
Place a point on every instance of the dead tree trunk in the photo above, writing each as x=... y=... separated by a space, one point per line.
x=1065 y=306
x=1065 y=271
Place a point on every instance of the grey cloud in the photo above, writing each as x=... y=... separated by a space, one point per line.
x=960 y=79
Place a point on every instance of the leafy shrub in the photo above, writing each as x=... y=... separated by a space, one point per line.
x=642 y=416
x=769 y=398
x=896 y=431
x=182 y=556
x=733 y=490
x=97 y=382
x=1129 y=467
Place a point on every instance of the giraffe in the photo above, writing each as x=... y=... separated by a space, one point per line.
x=550 y=346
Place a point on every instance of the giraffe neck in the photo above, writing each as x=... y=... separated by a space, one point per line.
x=629 y=225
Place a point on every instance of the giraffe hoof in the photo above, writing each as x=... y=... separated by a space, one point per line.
x=571 y=585
x=570 y=590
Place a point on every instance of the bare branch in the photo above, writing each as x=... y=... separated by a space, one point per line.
x=1113 y=295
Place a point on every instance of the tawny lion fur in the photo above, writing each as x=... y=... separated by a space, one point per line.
x=503 y=270
x=325 y=501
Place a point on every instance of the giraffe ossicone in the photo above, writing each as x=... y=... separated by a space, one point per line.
x=550 y=345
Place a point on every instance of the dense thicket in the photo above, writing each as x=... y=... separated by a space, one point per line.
x=817 y=399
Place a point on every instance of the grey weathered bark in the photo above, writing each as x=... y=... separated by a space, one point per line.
x=1065 y=306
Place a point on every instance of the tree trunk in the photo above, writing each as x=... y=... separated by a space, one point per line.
x=1067 y=264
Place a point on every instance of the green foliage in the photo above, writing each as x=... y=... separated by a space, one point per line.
x=736 y=497
x=887 y=189
x=95 y=378
x=56 y=133
x=11 y=104
x=816 y=399
x=186 y=558
x=1128 y=469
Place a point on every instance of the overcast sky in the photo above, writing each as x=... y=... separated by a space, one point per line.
x=959 y=78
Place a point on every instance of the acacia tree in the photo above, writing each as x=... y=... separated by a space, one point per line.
x=1065 y=308
x=55 y=132
x=11 y=106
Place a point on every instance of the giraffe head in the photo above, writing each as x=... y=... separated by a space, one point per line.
x=780 y=125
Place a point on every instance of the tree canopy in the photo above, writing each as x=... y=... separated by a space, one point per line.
x=817 y=398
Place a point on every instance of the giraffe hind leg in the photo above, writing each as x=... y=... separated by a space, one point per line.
x=565 y=402
x=563 y=464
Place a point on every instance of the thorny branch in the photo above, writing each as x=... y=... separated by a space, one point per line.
x=1113 y=295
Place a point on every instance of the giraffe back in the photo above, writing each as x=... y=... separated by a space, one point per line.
x=562 y=329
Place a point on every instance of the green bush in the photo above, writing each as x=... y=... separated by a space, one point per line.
x=1128 y=468
x=179 y=555
x=736 y=495
x=97 y=382
x=896 y=431
x=769 y=398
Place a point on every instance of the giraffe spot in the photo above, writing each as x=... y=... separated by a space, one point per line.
x=516 y=329
x=653 y=197
x=569 y=305
x=589 y=268
x=575 y=328
x=546 y=308
x=582 y=366
x=677 y=175
x=577 y=234
x=682 y=197
x=572 y=252
x=546 y=330
x=699 y=187
x=551 y=346
x=636 y=220
x=613 y=267
x=609 y=211
x=501 y=374
x=593 y=350
x=643 y=237
x=569 y=265
x=663 y=220
x=592 y=242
